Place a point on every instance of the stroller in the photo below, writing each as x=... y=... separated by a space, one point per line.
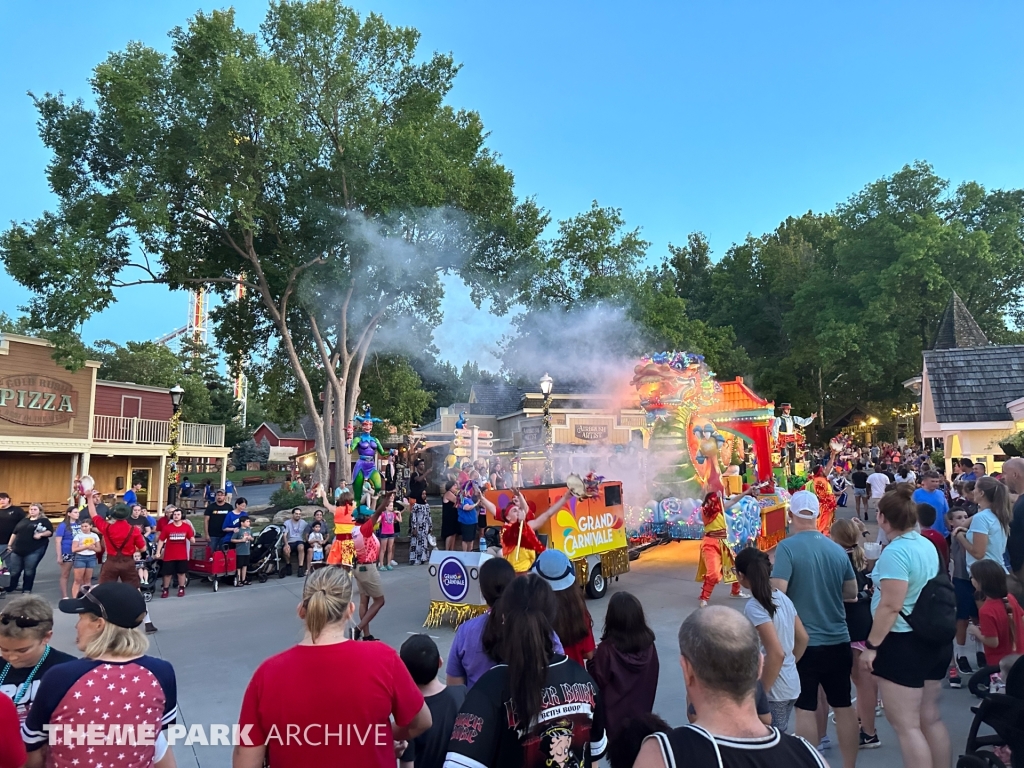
x=1003 y=713
x=149 y=571
x=265 y=553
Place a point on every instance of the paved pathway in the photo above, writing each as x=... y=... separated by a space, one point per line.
x=216 y=641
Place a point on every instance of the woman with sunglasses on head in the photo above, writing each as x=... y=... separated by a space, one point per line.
x=26 y=626
x=116 y=678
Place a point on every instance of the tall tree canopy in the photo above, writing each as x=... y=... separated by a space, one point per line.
x=315 y=165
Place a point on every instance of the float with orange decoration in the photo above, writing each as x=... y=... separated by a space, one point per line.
x=590 y=528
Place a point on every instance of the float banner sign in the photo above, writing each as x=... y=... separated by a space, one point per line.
x=588 y=527
x=453 y=580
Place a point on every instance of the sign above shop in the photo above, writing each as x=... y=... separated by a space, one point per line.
x=591 y=431
x=533 y=435
x=37 y=401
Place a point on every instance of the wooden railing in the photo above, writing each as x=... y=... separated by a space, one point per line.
x=124 y=429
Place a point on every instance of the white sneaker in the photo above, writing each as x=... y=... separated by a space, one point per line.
x=703 y=603
x=824 y=744
x=394 y=563
x=741 y=595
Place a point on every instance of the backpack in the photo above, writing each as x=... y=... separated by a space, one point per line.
x=934 y=616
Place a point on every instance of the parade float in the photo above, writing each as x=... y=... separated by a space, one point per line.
x=697 y=427
x=589 y=528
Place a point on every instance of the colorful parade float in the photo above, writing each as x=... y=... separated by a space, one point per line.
x=699 y=431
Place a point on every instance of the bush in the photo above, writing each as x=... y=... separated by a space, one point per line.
x=938 y=460
x=285 y=498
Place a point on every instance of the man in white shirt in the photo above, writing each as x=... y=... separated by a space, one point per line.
x=877 y=482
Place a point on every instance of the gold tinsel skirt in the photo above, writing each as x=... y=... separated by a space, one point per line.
x=442 y=612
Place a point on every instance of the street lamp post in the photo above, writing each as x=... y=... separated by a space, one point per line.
x=170 y=469
x=546 y=384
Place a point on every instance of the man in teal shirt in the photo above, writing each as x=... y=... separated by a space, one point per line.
x=818 y=577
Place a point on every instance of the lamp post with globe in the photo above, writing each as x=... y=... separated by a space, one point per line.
x=546 y=384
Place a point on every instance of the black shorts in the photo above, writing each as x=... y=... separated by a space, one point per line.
x=241 y=561
x=481 y=520
x=828 y=666
x=468 y=531
x=294 y=544
x=906 y=660
x=172 y=567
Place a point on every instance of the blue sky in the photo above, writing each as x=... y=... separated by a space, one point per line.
x=719 y=117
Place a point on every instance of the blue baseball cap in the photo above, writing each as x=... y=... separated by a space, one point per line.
x=555 y=568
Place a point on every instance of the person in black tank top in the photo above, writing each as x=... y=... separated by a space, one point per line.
x=721 y=663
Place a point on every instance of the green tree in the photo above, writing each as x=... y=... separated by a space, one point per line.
x=315 y=165
x=20 y=325
x=394 y=391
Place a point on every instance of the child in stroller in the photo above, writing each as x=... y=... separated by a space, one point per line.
x=1003 y=713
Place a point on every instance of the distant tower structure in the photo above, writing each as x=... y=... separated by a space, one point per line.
x=198 y=316
x=197 y=323
x=197 y=328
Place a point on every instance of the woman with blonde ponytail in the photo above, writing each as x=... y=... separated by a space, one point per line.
x=349 y=722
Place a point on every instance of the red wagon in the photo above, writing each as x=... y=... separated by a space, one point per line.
x=210 y=565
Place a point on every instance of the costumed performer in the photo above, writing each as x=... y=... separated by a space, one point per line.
x=519 y=543
x=343 y=550
x=784 y=434
x=366 y=446
x=822 y=488
x=716 y=559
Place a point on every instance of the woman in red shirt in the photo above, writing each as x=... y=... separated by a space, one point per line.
x=572 y=621
x=175 y=539
x=1000 y=619
x=349 y=721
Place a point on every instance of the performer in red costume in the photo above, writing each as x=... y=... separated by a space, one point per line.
x=519 y=543
x=716 y=559
x=822 y=488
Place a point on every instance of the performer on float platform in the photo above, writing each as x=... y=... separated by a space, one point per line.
x=519 y=543
x=716 y=559
x=784 y=433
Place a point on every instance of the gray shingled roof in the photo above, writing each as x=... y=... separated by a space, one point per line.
x=304 y=431
x=958 y=328
x=975 y=384
x=494 y=399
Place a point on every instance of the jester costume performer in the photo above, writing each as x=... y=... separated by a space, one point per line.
x=529 y=545
x=343 y=550
x=366 y=446
x=716 y=560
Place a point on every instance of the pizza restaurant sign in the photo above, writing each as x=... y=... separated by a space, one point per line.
x=37 y=401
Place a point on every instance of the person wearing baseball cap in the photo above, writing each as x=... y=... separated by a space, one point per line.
x=109 y=617
x=572 y=623
x=816 y=574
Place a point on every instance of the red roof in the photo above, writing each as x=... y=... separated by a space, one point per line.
x=737 y=396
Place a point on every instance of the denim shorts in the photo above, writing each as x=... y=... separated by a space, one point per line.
x=860 y=491
x=85 y=561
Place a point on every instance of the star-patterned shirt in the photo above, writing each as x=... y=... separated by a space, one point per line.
x=86 y=691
